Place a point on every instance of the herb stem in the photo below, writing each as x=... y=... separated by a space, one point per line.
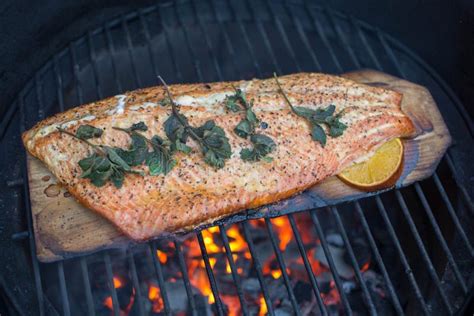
x=96 y=147
x=186 y=126
x=129 y=132
x=283 y=93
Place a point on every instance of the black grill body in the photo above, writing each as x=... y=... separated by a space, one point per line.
x=419 y=239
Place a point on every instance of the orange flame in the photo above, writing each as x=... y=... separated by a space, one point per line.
x=161 y=256
x=154 y=295
x=283 y=229
x=263 y=307
x=365 y=267
x=118 y=283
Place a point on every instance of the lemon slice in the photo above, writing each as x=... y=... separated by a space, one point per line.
x=380 y=171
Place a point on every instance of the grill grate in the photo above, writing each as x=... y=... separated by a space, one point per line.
x=238 y=40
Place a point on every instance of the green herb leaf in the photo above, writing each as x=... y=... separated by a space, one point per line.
x=116 y=159
x=140 y=126
x=317 y=117
x=318 y=134
x=117 y=178
x=159 y=160
x=211 y=138
x=262 y=146
x=337 y=129
x=216 y=147
x=136 y=153
x=243 y=129
x=250 y=116
x=304 y=112
x=88 y=131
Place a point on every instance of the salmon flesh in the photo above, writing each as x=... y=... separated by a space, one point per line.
x=193 y=192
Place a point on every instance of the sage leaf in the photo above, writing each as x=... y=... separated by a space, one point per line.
x=318 y=134
x=88 y=132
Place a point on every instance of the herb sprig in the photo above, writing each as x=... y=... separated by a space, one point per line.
x=211 y=138
x=105 y=163
x=159 y=160
x=317 y=117
x=262 y=144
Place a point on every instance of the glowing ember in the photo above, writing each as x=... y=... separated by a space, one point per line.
x=263 y=307
x=161 y=256
x=283 y=230
x=365 y=267
x=117 y=282
x=108 y=302
x=123 y=312
x=332 y=297
x=154 y=296
x=276 y=274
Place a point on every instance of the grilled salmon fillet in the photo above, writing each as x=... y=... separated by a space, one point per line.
x=193 y=192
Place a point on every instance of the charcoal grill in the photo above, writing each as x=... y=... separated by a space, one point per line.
x=418 y=240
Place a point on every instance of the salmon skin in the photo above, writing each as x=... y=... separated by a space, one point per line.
x=195 y=193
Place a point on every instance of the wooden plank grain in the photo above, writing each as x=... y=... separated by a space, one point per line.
x=64 y=228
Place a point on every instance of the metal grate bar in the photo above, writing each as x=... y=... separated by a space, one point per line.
x=227 y=40
x=210 y=274
x=452 y=213
x=328 y=254
x=7 y=119
x=111 y=49
x=264 y=36
x=136 y=284
x=184 y=271
x=146 y=31
x=75 y=66
x=159 y=278
x=421 y=247
x=243 y=30
x=26 y=191
x=130 y=52
x=284 y=36
x=282 y=264
x=179 y=76
x=258 y=268
x=188 y=43
x=303 y=37
x=86 y=281
x=343 y=37
x=233 y=269
x=364 y=40
x=468 y=201
x=39 y=95
x=317 y=27
x=93 y=58
x=59 y=83
x=401 y=253
x=210 y=50
x=62 y=286
x=378 y=258
x=368 y=299
x=307 y=265
x=440 y=236
x=110 y=281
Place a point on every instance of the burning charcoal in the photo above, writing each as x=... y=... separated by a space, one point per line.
x=251 y=288
x=177 y=297
x=349 y=286
x=335 y=240
x=202 y=306
x=277 y=289
x=303 y=291
x=283 y=311
x=376 y=285
x=337 y=254
x=361 y=251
